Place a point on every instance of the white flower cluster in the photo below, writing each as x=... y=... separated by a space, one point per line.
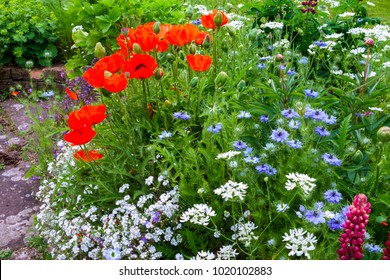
x=332 y=3
x=228 y=155
x=130 y=230
x=232 y=190
x=300 y=180
x=298 y=243
x=273 y=25
x=378 y=32
x=225 y=253
x=243 y=232
x=199 y=214
x=347 y=14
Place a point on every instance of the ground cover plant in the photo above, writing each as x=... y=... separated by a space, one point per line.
x=256 y=131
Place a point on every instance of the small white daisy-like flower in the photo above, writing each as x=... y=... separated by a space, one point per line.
x=298 y=243
x=282 y=207
x=227 y=155
x=198 y=214
x=296 y=179
x=226 y=253
x=202 y=255
x=232 y=190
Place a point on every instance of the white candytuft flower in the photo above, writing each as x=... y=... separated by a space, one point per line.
x=298 y=243
x=232 y=190
x=300 y=180
x=198 y=214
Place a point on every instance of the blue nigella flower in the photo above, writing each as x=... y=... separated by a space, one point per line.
x=320 y=130
x=196 y=22
x=329 y=119
x=290 y=114
x=315 y=216
x=165 y=134
x=333 y=196
x=244 y=115
x=181 y=115
x=239 y=145
x=291 y=72
x=261 y=66
x=320 y=44
x=215 y=128
x=295 y=144
x=267 y=169
x=49 y=93
x=303 y=60
x=294 y=124
x=331 y=159
x=264 y=118
x=252 y=160
x=337 y=222
x=310 y=93
x=372 y=248
x=315 y=114
x=279 y=135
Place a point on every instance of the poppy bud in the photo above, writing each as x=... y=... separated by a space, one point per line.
x=225 y=46
x=357 y=157
x=125 y=31
x=158 y=73
x=100 y=51
x=231 y=31
x=182 y=55
x=384 y=134
x=253 y=34
x=206 y=42
x=221 y=79
x=369 y=42
x=137 y=48
x=194 y=82
x=241 y=85
x=156 y=27
x=170 y=57
x=218 y=19
x=189 y=11
x=192 y=48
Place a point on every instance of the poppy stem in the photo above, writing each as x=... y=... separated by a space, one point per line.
x=365 y=73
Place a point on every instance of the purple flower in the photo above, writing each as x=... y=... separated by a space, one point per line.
x=337 y=222
x=261 y=66
x=264 y=118
x=215 y=128
x=294 y=124
x=330 y=119
x=181 y=115
x=244 y=115
x=165 y=134
x=331 y=159
x=310 y=93
x=252 y=160
x=196 y=22
x=279 y=135
x=112 y=254
x=156 y=217
x=332 y=196
x=320 y=44
x=315 y=114
x=267 y=169
x=290 y=114
x=315 y=216
x=295 y=144
x=320 y=130
x=291 y=72
x=239 y=145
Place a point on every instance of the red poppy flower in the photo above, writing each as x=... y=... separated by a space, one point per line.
x=208 y=20
x=80 y=136
x=71 y=94
x=105 y=73
x=87 y=115
x=141 y=66
x=90 y=156
x=145 y=37
x=201 y=36
x=14 y=93
x=199 y=62
x=182 y=34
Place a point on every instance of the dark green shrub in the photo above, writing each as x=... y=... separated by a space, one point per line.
x=27 y=33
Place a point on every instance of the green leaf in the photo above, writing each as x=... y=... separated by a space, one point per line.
x=343 y=133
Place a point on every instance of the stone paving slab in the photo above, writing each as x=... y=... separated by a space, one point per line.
x=17 y=200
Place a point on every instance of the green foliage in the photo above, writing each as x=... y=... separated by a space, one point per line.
x=26 y=33
x=5 y=254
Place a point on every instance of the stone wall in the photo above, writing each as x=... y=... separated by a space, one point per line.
x=40 y=78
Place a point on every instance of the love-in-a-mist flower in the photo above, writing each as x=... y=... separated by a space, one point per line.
x=215 y=128
x=351 y=240
x=331 y=159
x=333 y=196
x=279 y=135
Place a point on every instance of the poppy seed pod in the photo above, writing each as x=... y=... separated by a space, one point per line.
x=192 y=49
x=100 y=51
x=206 y=42
x=221 y=79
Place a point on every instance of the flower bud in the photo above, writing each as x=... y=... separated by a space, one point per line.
x=182 y=55
x=357 y=157
x=206 y=41
x=156 y=27
x=221 y=79
x=384 y=134
x=125 y=31
x=224 y=45
x=218 y=19
x=137 y=48
x=194 y=82
x=189 y=11
x=369 y=42
x=170 y=57
x=253 y=34
x=192 y=48
x=279 y=57
x=231 y=31
x=100 y=51
x=241 y=85
x=158 y=73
